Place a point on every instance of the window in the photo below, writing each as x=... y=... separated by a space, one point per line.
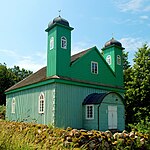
x=41 y=103
x=51 y=43
x=108 y=59
x=94 y=67
x=63 y=42
x=89 y=112
x=13 y=106
x=118 y=60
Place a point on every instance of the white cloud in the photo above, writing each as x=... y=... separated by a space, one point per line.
x=30 y=64
x=80 y=46
x=31 y=61
x=131 y=45
x=133 y=5
x=144 y=17
x=147 y=8
x=7 y=52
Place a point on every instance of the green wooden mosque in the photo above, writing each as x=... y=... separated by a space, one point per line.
x=80 y=91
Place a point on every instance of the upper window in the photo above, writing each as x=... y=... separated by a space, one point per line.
x=63 y=42
x=94 y=67
x=41 y=103
x=89 y=111
x=13 y=105
x=118 y=60
x=51 y=43
x=108 y=59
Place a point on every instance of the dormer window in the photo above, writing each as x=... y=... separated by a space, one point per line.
x=63 y=42
x=51 y=43
x=108 y=59
x=118 y=60
x=94 y=67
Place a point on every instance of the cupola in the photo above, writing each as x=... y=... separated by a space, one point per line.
x=58 y=20
x=112 y=42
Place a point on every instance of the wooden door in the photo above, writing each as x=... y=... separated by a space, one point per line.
x=112 y=117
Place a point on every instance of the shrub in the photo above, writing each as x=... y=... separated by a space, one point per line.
x=2 y=111
x=143 y=126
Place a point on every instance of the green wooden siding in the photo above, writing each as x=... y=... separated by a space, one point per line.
x=27 y=105
x=71 y=112
x=63 y=106
x=114 y=51
x=58 y=59
x=90 y=124
x=81 y=69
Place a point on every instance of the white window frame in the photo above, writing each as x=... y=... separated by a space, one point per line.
x=108 y=59
x=118 y=59
x=51 y=43
x=89 y=115
x=94 y=67
x=63 y=42
x=13 y=104
x=41 y=103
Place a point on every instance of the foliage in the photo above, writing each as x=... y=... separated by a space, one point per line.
x=143 y=126
x=137 y=84
x=28 y=136
x=9 y=77
x=2 y=112
x=20 y=74
x=126 y=63
x=6 y=80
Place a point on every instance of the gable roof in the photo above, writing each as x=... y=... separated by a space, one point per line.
x=78 y=55
x=40 y=75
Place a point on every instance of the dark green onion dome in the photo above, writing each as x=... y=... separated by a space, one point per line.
x=113 y=42
x=59 y=20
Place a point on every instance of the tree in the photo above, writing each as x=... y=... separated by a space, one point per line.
x=20 y=74
x=6 y=80
x=126 y=63
x=9 y=77
x=137 y=84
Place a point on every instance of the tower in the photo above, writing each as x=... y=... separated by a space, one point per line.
x=59 y=47
x=113 y=55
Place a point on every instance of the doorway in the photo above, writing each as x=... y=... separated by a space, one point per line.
x=112 y=117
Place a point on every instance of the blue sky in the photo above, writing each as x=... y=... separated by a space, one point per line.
x=23 y=40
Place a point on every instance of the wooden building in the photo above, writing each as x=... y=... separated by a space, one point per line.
x=80 y=91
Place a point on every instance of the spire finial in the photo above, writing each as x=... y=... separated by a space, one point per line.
x=59 y=11
x=112 y=35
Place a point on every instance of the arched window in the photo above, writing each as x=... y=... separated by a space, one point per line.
x=13 y=105
x=41 y=103
x=63 y=42
x=118 y=60
x=51 y=43
x=108 y=59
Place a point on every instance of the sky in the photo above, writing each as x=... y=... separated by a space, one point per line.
x=23 y=40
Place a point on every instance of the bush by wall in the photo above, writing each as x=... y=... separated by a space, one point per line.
x=28 y=136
